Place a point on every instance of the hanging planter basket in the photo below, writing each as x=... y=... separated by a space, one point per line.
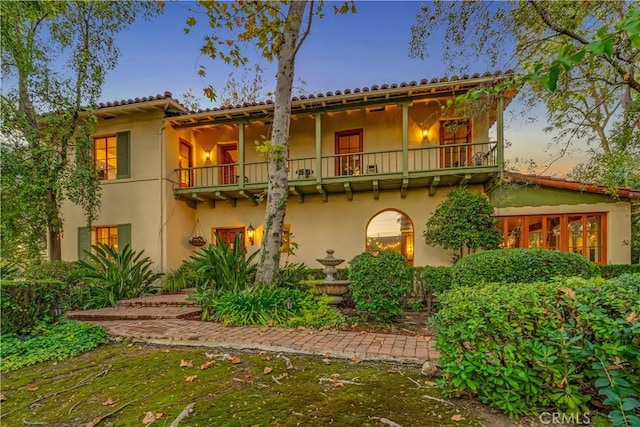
x=197 y=241
x=197 y=238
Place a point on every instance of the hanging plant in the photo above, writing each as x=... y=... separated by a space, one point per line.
x=197 y=241
x=197 y=234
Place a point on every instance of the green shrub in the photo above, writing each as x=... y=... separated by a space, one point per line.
x=28 y=303
x=614 y=270
x=520 y=266
x=526 y=348
x=112 y=275
x=435 y=280
x=290 y=275
x=8 y=271
x=53 y=342
x=379 y=282
x=64 y=271
x=223 y=266
x=267 y=306
x=184 y=277
x=318 y=273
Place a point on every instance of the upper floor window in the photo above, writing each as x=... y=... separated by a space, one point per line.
x=579 y=233
x=185 y=162
x=104 y=157
x=452 y=134
x=111 y=156
x=347 y=143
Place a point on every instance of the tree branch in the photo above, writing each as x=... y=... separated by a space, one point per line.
x=306 y=32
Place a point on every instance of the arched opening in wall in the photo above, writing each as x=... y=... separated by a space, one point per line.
x=391 y=230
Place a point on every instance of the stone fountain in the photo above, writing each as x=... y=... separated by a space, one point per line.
x=330 y=286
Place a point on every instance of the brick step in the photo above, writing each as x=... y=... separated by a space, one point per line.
x=135 y=313
x=170 y=300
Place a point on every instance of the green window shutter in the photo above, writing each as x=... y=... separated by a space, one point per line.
x=84 y=241
x=123 y=155
x=124 y=235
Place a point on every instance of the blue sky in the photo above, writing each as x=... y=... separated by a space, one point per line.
x=343 y=51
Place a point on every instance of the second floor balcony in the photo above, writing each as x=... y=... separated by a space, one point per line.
x=357 y=172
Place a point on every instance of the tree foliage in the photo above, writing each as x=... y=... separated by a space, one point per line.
x=277 y=30
x=54 y=59
x=587 y=52
x=463 y=221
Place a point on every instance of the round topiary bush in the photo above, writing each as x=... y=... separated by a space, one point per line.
x=378 y=282
x=520 y=266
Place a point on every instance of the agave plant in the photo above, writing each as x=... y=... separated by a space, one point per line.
x=112 y=275
x=223 y=266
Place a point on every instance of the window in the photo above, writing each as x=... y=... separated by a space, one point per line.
x=583 y=234
x=391 y=230
x=107 y=235
x=228 y=235
x=117 y=236
x=348 y=142
x=111 y=156
x=454 y=133
x=185 y=162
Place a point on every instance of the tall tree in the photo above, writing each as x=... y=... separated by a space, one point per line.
x=54 y=59
x=595 y=43
x=278 y=30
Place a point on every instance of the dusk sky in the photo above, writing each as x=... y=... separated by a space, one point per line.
x=342 y=52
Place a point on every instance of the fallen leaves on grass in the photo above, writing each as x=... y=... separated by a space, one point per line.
x=190 y=378
x=430 y=383
x=235 y=360
x=108 y=402
x=2 y=397
x=32 y=387
x=207 y=364
x=267 y=370
x=94 y=422
x=356 y=359
x=186 y=363
x=150 y=417
x=457 y=417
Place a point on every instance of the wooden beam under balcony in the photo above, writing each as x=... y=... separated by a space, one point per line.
x=249 y=195
x=347 y=188
x=321 y=190
x=376 y=189
x=465 y=179
x=293 y=190
x=433 y=187
x=226 y=198
x=404 y=188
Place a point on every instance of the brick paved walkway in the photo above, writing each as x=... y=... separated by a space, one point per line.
x=161 y=320
x=332 y=343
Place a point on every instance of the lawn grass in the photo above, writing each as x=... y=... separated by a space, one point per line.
x=118 y=384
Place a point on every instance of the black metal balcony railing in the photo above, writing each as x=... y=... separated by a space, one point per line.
x=386 y=163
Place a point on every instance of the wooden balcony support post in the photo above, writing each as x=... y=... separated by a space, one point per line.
x=376 y=189
x=241 y=154
x=405 y=140
x=249 y=195
x=500 y=135
x=318 y=118
x=347 y=189
x=433 y=187
x=293 y=190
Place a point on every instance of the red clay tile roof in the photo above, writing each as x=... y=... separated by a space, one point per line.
x=366 y=89
x=564 y=183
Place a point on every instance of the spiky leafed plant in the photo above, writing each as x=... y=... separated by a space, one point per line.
x=112 y=275
x=224 y=266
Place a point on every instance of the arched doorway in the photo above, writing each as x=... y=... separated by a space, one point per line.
x=390 y=230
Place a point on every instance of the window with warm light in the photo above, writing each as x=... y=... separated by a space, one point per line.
x=107 y=235
x=579 y=233
x=391 y=230
x=105 y=157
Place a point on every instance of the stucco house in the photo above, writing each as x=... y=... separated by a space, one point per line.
x=366 y=168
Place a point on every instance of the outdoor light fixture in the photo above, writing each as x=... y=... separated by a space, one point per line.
x=207 y=154
x=251 y=234
x=289 y=303
x=425 y=133
x=57 y=310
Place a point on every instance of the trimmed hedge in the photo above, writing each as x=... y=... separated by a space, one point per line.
x=379 y=282
x=615 y=270
x=534 y=346
x=521 y=266
x=26 y=304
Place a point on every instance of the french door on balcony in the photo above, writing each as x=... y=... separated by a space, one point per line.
x=347 y=142
x=185 y=160
x=453 y=133
x=228 y=159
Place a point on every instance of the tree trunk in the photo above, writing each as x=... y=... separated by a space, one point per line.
x=277 y=191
